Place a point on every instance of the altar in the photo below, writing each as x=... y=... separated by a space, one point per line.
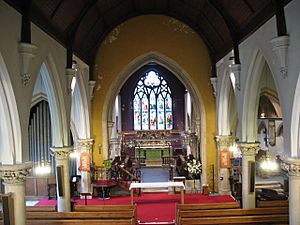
x=152 y=146
x=157 y=185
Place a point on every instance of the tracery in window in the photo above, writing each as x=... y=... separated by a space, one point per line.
x=152 y=103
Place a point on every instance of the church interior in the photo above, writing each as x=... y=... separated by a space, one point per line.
x=149 y=112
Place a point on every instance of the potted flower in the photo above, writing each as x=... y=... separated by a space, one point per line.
x=194 y=168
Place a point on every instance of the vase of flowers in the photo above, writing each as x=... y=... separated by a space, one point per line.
x=194 y=168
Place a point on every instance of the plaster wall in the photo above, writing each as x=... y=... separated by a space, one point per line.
x=139 y=36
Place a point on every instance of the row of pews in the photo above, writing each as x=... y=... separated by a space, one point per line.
x=268 y=212
x=91 y=215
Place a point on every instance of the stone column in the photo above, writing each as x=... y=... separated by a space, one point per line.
x=61 y=155
x=292 y=166
x=110 y=125
x=249 y=151
x=14 y=177
x=224 y=142
x=85 y=146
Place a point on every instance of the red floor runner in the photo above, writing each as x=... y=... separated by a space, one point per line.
x=152 y=207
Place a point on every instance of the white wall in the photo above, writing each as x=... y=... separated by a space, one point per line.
x=50 y=52
x=254 y=52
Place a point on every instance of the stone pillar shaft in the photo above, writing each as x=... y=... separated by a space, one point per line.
x=292 y=167
x=85 y=146
x=224 y=142
x=249 y=151
x=14 y=177
x=61 y=155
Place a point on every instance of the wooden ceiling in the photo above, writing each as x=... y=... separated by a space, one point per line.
x=83 y=24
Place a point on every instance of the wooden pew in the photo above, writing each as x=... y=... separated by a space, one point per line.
x=275 y=203
x=108 y=217
x=234 y=216
x=207 y=206
x=79 y=215
x=50 y=208
x=103 y=208
x=80 y=222
x=91 y=215
x=221 y=205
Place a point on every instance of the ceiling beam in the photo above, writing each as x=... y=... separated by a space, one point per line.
x=26 y=25
x=72 y=29
x=249 y=6
x=280 y=18
x=231 y=28
x=56 y=9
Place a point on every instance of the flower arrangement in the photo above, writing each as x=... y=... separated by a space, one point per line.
x=194 y=168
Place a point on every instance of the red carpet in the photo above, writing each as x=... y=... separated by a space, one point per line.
x=152 y=207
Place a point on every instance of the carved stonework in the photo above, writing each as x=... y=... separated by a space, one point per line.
x=224 y=140
x=249 y=149
x=214 y=82
x=292 y=167
x=92 y=84
x=85 y=144
x=27 y=53
x=61 y=152
x=15 y=174
x=280 y=48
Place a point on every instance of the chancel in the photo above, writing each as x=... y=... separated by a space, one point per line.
x=149 y=112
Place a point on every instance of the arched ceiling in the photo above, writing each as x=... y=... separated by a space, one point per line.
x=85 y=23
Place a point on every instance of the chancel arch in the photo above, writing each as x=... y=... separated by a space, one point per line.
x=180 y=74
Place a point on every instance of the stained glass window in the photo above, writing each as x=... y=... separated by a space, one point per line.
x=152 y=103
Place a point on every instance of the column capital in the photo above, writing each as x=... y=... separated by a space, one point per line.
x=225 y=140
x=110 y=124
x=85 y=142
x=291 y=166
x=15 y=174
x=248 y=148
x=61 y=152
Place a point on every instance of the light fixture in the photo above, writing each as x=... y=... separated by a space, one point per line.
x=269 y=164
x=233 y=148
x=43 y=168
x=263 y=115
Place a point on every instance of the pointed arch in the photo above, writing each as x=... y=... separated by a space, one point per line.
x=80 y=116
x=10 y=130
x=262 y=126
x=224 y=100
x=37 y=98
x=60 y=128
x=295 y=123
x=251 y=98
x=180 y=73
